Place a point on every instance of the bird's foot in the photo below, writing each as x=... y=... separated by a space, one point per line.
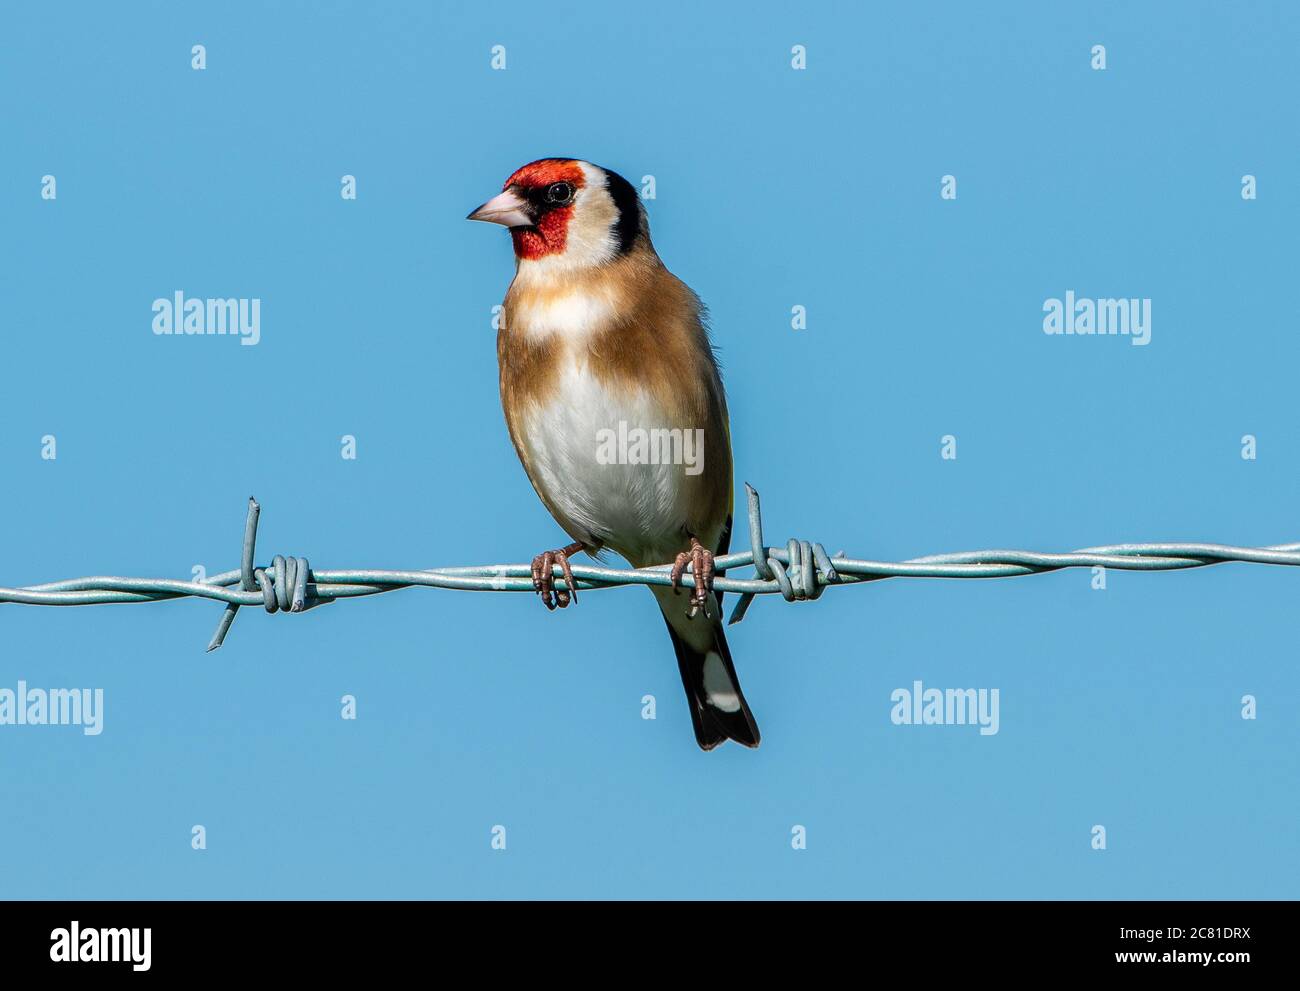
x=700 y=559
x=544 y=576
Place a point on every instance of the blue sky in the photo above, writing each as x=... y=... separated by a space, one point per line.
x=775 y=188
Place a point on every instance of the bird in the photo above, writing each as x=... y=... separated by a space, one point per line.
x=597 y=343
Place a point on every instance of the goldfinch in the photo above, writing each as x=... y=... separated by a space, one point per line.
x=599 y=343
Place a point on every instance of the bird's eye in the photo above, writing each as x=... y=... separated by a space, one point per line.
x=559 y=193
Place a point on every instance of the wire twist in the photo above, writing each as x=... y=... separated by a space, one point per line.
x=801 y=571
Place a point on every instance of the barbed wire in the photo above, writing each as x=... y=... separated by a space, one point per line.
x=802 y=570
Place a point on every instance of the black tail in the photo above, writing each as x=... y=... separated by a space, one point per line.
x=719 y=711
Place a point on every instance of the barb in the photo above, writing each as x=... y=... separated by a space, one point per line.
x=800 y=571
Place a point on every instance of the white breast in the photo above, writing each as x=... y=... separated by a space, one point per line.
x=572 y=315
x=638 y=510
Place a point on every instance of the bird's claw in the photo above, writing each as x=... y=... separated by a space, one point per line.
x=700 y=559
x=544 y=578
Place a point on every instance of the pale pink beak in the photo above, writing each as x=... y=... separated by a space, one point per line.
x=508 y=209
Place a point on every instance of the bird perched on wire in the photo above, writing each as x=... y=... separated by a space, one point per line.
x=599 y=343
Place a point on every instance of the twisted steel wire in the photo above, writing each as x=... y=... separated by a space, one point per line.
x=801 y=570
